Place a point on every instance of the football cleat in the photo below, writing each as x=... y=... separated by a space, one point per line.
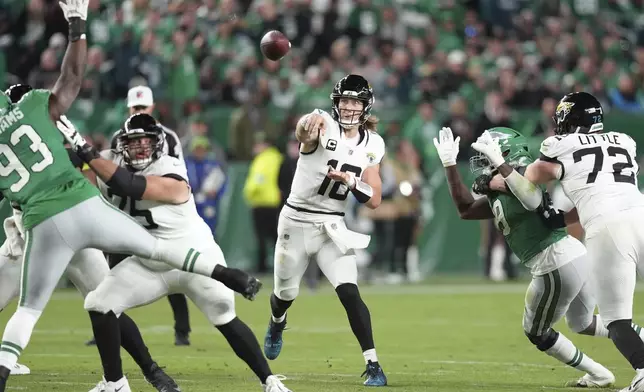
x=375 y=376
x=160 y=380
x=20 y=370
x=594 y=381
x=181 y=339
x=241 y=282
x=274 y=384
x=273 y=339
x=637 y=385
x=91 y=342
x=117 y=386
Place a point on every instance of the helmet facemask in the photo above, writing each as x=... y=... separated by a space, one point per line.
x=349 y=117
x=140 y=148
x=513 y=148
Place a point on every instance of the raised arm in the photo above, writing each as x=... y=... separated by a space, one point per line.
x=467 y=206
x=72 y=70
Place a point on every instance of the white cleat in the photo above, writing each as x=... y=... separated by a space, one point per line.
x=637 y=385
x=603 y=380
x=20 y=370
x=274 y=384
x=117 y=386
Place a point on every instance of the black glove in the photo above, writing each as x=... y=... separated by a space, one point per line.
x=87 y=153
x=481 y=184
x=551 y=217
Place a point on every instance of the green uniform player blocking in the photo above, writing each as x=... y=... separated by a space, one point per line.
x=35 y=170
x=523 y=230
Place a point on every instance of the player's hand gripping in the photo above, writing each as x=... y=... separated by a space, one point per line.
x=447 y=146
x=489 y=147
x=78 y=142
x=74 y=9
x=347 y=179
x=551 y=217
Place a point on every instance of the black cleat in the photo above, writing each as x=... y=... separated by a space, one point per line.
x=91 y=342
x=160 y=380
x=181 y=339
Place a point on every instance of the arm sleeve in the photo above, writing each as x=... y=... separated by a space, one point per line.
x=528 y=194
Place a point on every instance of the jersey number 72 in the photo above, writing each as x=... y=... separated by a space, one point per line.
x=335 y=189
x=598 y=154
x=13 y=162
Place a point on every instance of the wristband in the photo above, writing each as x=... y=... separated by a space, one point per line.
x=76 y=29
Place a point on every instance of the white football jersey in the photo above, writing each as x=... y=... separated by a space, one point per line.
x=163 y=220
x=312 y=191
x=598 y=174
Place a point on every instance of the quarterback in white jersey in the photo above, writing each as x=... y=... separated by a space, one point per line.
x=171 y=215
x=340 y=155
x=598 y=172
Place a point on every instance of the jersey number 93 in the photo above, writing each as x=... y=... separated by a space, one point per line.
x=12 y=164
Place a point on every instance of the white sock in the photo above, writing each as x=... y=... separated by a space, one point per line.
x=600 y=328
x=17 y=334
x=565 y=351
x=188 y=259
x=278 y=319
x=370 y=355
x=497 y=258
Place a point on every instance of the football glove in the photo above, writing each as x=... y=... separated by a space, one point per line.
x=481 y=184
x=489 y=147
x=77 y=142
x=74 y=9
x=551 y=217
x=447 y=146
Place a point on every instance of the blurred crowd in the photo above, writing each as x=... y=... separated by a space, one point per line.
x=467 y=64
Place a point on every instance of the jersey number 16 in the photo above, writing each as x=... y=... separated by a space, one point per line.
x=335 y=189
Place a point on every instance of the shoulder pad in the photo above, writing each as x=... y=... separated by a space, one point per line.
x=553 y=146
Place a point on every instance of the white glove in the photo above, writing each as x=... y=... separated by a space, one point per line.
x=70 y=133
x=489 y=147
x=447 y=147
x=75 y=9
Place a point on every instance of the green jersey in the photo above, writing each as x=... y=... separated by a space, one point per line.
x=35 y=170
x=524 y=231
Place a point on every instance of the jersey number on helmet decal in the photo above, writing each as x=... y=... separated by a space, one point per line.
x=335 y=190
x=14 y=164
x=151 y=225
x=499 y=218
x=599 y=163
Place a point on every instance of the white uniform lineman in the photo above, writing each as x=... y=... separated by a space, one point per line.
x=311 y=223
x=599 y=175
x=136 y=281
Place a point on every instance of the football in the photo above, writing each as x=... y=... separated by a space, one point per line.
x=274 y=45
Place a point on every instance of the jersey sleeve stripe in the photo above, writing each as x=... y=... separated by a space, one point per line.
x=554 y=160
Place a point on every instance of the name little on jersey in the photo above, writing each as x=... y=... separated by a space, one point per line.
x=10 y=118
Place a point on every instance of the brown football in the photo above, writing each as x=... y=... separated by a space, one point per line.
x=274 y=45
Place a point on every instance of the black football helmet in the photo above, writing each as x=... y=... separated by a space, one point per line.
x=578 y=112
x=137 y=152
x=17 y=91
x=356 y=87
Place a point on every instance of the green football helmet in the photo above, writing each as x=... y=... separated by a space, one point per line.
x=514 y=147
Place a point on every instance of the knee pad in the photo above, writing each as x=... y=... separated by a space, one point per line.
x=545 y=341
x=286 y=294
x=348 y=293
x=578 y=324
x=222 y=312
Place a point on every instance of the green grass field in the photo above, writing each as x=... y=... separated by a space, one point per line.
x=448 y=335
